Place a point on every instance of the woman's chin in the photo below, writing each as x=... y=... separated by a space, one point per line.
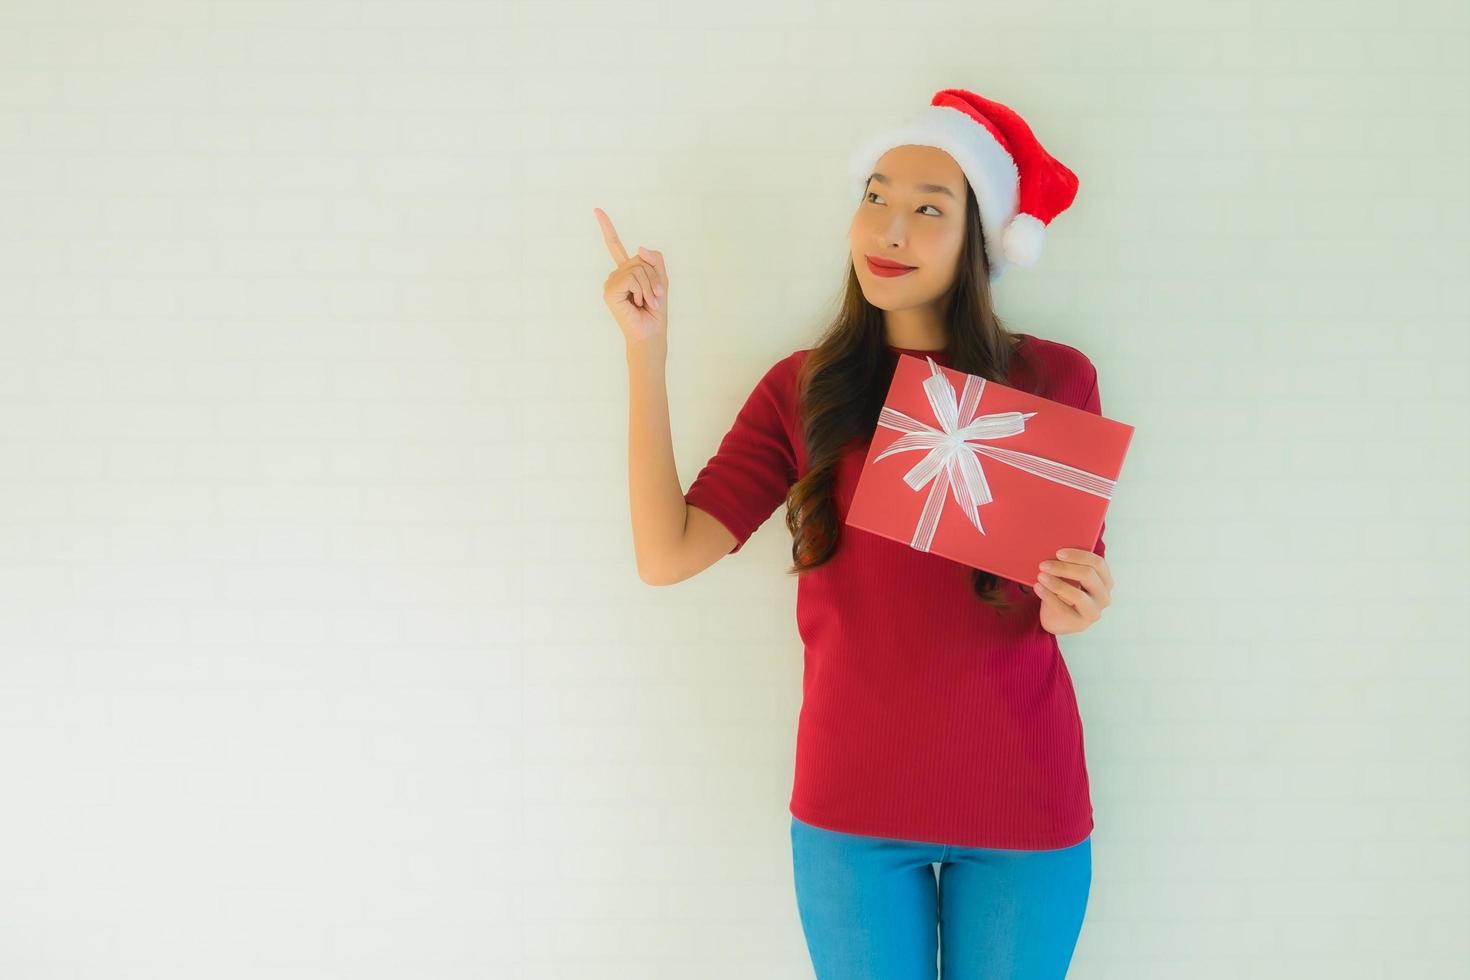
x=888 y=300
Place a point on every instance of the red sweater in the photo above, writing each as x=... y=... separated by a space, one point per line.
x=925 y=714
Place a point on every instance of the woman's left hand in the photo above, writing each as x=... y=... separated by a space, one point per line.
x=1074 y=590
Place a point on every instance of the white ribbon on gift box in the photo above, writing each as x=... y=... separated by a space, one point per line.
x=951 y=454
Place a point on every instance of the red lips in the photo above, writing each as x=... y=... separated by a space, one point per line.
x=885 y=268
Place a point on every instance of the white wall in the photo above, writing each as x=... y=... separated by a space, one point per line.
x=323 y=652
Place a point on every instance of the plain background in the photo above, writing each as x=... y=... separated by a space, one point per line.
x=322 y=648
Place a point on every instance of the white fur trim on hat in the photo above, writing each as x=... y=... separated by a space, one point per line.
x=986 y=165
x=1023 y=239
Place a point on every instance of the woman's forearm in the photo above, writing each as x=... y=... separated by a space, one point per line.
x=655 y=497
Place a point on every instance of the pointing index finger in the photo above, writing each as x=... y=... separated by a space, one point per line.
x=610 y=236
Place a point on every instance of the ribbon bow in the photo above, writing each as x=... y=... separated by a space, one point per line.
x=952 y=455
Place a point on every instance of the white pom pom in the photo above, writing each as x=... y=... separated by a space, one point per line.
x=1023 y=239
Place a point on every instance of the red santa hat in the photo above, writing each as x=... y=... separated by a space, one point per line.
x=1019 y=186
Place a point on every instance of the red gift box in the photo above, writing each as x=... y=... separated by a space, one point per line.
x=985 y=474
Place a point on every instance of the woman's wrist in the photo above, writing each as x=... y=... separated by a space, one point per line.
x=651 y=350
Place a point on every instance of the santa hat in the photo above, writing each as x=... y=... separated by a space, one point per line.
x=1018 y=185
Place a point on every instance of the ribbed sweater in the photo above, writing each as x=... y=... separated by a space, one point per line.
x=925 y=714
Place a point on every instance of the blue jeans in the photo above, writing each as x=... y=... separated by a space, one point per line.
x=874 y=908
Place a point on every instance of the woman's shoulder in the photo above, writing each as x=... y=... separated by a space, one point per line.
x=795 y=358
x=1059 y=358
x=783 y=373
x=1053 y=350
x=777 y=386
x=1058 y=371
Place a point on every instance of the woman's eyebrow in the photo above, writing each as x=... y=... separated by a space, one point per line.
x=930 y=188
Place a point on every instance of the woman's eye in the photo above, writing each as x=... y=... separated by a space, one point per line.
x=937 y=212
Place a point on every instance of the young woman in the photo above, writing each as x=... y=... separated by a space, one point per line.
x=938 y=725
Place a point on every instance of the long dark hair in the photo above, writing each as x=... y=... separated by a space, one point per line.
x=844 y=378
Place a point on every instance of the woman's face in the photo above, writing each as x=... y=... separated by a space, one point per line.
x=913 y=213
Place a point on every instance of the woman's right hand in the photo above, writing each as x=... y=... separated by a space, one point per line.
x=637 y=290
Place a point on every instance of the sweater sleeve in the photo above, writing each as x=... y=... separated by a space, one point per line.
x=1093 y=403
x=754 y=467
